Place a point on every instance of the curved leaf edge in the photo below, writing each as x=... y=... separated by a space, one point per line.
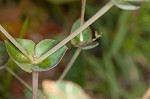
x=126 y=7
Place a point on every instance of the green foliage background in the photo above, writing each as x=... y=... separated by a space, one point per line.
x=118 y=68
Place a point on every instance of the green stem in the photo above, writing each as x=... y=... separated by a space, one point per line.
x=18 y=78
x=75 y=33
x=13 y=40
x=35 y=85
x=70 y=64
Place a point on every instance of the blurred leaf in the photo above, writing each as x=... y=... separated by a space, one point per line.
x=35 y=51
x=63 y=90
x=143 y=18
x=76 y=73
x=28 y=93
x=123 y=4
x=111 y=76
x=123 y=66
x=58 y=90
x=95 y=65
x=121 y=32
x=3 y=54
x=24 y=28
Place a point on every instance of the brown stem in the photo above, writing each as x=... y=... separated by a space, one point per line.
x=82 y=17
x=82 y=12
x=35 y=85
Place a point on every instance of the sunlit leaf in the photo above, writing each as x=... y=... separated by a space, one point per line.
x=59 y=90
x=125 y=5
x=63 y=90
x=34 y=51
x=3 y=54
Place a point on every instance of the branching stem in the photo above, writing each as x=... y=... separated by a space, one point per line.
x=76 y=54
x=75 y=33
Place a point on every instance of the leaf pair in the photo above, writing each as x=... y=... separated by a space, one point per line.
x=85 y=39
x=29 y=63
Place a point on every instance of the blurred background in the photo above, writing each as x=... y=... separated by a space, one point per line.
x=119 y=68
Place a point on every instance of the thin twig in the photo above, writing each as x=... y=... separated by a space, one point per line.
x=82 y=17
x=70 y=64
x=18 y=78
x=35 y=85
x=76 y=54
x=75 y=33
x=23 y=82
x=13 y=40
x=82 y=12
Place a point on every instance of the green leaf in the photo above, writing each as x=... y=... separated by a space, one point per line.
x=121 y=33
x=84 y=40
x=3 y=54
x=34 y=51
x=122 y=4
x=86 y=34
x=24 y=28
x=88 y=46
x=63 y=90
